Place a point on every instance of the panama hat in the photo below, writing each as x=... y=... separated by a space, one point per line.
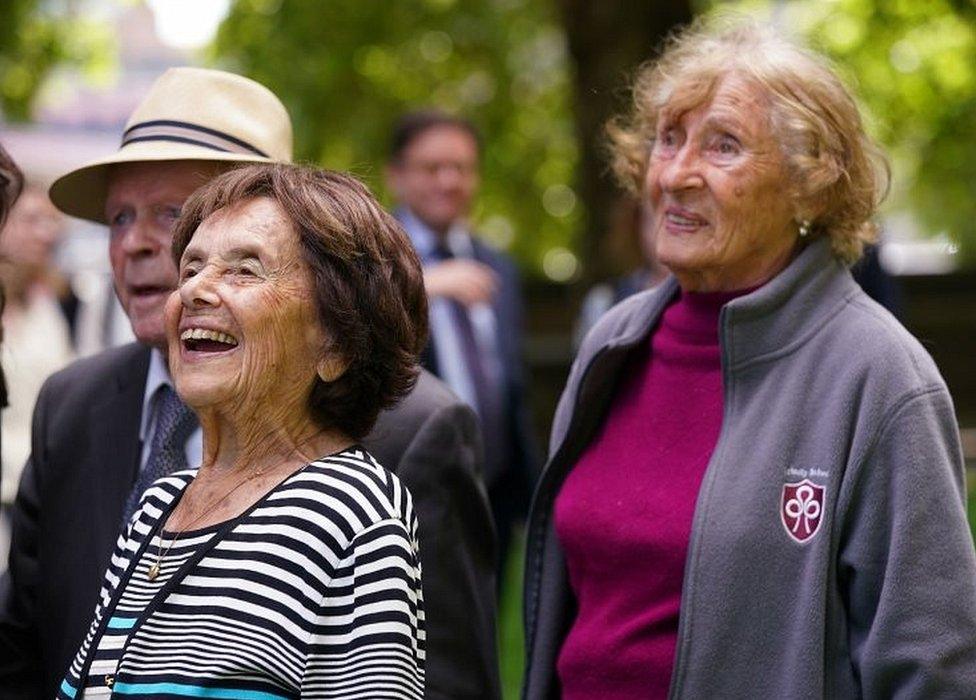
x=189 y=114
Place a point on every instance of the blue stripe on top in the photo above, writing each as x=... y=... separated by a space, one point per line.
x=192 y=691
x=68 y=689
x=121 y=623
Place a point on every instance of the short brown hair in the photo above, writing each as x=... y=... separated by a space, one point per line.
x=367 y=281
x=839 y=176
x=412 y=125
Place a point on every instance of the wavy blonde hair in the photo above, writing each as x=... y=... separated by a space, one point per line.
x=838 y=175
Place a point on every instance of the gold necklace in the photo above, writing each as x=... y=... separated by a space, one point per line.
x=160 y=554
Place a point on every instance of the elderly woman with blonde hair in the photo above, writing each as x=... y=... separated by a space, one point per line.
x=755 y=485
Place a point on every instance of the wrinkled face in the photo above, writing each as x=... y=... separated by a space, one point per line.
x=242 y=325
x=717 y=180
x=143 y=203
x=437 y=176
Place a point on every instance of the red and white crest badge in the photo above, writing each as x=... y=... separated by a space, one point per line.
x=801 y=509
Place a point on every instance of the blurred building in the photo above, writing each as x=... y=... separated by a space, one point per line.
x=75 y=122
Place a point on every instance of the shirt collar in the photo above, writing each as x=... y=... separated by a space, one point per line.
x=157 y=376
x=425 y=240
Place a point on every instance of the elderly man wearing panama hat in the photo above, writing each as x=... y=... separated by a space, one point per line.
x=109 y=425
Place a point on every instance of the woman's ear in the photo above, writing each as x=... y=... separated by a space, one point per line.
x=813 y=186
x=331 y=368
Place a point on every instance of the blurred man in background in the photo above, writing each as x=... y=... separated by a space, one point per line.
x=475 y=300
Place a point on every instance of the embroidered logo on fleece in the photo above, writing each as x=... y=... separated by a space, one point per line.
x=801 y=509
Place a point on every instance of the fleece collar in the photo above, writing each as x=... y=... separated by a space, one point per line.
x=766 y=323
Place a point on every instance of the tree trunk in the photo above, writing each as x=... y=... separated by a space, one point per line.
x=607 y=41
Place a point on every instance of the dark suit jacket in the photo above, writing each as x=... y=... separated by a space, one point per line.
x=84 y=460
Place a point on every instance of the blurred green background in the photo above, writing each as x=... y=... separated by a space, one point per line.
x=539 y=78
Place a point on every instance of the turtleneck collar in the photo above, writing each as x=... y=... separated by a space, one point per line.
x=693 y=317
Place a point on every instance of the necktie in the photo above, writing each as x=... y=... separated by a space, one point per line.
x=167 y=453
x=490 y=403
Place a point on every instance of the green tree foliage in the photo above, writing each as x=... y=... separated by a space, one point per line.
x=607 y=42
x=346 y=70
x=37 y=36
x=913 y=64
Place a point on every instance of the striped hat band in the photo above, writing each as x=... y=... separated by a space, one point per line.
x=186 y=132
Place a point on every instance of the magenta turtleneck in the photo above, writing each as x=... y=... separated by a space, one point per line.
x=624 y=514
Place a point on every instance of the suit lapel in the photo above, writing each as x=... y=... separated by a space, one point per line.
x=94 y=453
x=115 y=440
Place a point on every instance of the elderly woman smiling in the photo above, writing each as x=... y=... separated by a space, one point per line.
x=287 y=565
x=755 y=486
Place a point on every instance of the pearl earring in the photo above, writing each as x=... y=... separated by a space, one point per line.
x=804 y=228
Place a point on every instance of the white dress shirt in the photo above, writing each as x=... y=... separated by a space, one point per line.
x=444 y=335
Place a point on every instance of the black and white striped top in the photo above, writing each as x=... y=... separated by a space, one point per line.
x=312 y=592
x=137 y=595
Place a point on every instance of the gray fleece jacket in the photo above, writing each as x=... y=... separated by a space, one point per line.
x=830 y=555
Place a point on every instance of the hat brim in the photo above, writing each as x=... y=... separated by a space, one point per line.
x=83 y=191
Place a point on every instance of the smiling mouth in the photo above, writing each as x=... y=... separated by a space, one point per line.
x=682 y=221
x=205 y=340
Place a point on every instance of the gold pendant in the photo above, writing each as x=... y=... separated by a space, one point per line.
x=153 y=571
